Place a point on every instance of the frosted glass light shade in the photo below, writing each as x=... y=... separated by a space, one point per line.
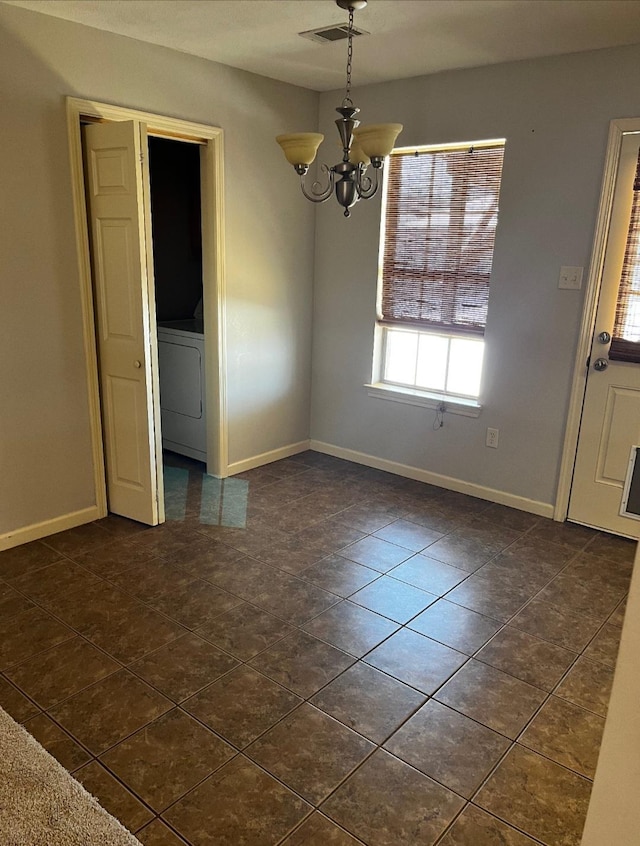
x=357 y=154
x=379 y=139
x=300 y=148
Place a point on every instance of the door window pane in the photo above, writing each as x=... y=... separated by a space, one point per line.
x=625 y=345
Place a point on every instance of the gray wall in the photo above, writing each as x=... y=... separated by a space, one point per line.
x=555 y=116
x=45 y=458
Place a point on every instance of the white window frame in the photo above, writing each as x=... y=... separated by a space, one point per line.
x=379 y=387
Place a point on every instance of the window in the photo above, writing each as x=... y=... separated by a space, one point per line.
x=441 y=211
x=625 y=345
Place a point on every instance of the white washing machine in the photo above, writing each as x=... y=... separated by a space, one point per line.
x=182 y=387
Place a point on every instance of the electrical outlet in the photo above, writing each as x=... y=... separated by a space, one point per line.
x=492 y=438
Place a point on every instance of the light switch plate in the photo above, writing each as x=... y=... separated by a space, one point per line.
x=570 y=278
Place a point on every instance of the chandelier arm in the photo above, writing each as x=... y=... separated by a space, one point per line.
x=366 y=186
x=318 y=194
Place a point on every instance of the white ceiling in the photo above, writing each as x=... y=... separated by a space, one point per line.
x=408 y=37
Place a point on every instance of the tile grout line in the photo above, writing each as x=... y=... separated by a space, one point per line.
x=299 y=575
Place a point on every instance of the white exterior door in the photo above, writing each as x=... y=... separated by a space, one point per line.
x=116 y=165
x=611 y=414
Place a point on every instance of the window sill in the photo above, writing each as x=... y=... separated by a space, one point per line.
x=414 y=396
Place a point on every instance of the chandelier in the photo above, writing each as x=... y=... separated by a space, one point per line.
x=361 y=146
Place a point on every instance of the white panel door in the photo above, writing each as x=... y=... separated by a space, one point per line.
x=611 y=414
x=118 y=197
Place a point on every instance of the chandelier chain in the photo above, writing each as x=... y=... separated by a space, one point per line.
x=347 y=179
x=347 y=100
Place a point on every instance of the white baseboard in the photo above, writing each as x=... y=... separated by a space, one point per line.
x=542 y=509
x=49 y=527
x=267 y=457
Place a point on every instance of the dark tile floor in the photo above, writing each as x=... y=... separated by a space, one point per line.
x=318 y=653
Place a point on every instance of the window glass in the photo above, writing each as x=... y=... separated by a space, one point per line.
x=465 y=367
x=432 y=362
x=400 y=359
x=626 y=331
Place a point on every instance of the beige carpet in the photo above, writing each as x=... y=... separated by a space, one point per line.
x=42 y=805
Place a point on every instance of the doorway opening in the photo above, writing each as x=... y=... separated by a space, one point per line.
x=174 y=170
x=184 y=211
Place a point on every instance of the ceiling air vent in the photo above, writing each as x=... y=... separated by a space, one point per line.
x=326 y=34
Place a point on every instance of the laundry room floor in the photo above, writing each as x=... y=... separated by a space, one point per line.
x=315 y=653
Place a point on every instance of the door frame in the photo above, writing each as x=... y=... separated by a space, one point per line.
x=211 y=140
x=617 y=128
